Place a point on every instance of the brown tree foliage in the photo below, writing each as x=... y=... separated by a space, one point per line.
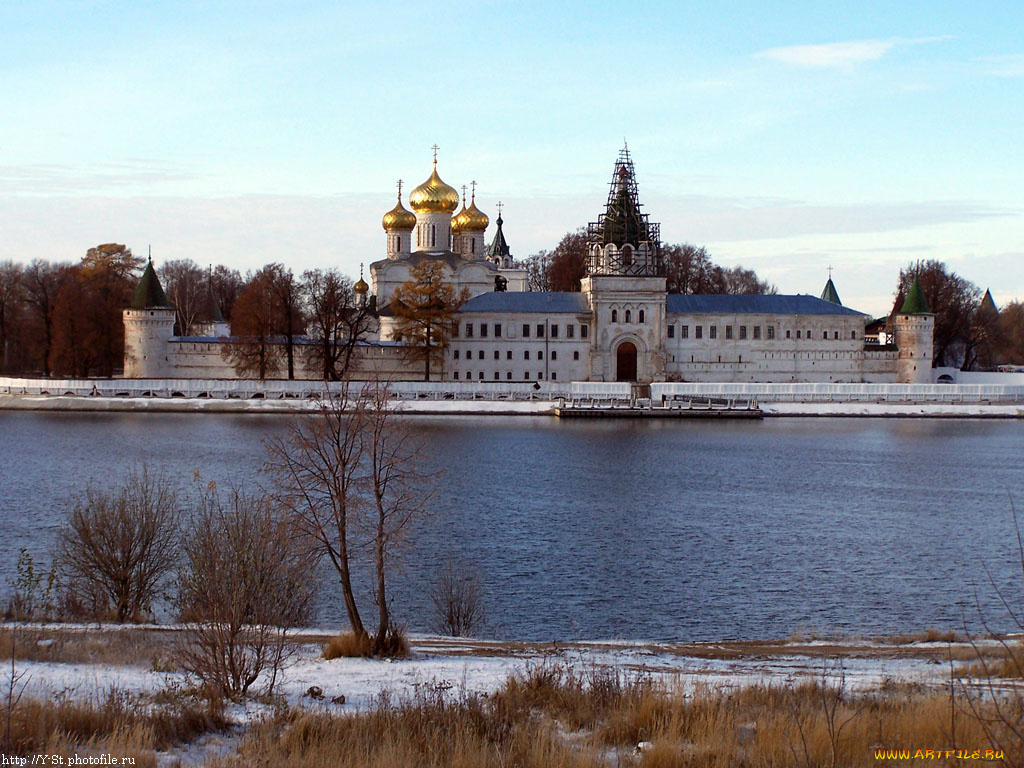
x=1011 y=345
x=252 y=350
x=952 y=298
x=425 y=307
x=337 y=323
x=88 y=332
x=12 y=316
x=42 y=282
x=227 y=285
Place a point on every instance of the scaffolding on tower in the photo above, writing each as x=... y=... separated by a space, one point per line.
x=626 y=227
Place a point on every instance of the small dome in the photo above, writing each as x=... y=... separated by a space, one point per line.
x=360 y=286
x=434 y=196
x=475 y=220
x=398 y=219
x=459 y=220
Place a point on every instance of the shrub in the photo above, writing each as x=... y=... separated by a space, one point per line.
x=458 y=600
x=348 y=645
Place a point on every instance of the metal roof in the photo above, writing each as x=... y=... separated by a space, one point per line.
x=758 y=304
x=549 y=302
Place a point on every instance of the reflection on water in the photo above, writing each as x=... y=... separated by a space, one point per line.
x=646 y=529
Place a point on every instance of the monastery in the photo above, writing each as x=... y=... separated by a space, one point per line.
x=622 y=325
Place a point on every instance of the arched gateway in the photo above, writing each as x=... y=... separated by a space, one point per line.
x=625 y=362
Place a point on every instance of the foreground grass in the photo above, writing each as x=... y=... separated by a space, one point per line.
x=552 y=716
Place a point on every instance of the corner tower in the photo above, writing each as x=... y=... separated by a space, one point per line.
x=625 y=285
x=915 y=327
x=148 y=328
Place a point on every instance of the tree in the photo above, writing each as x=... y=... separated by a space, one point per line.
x=42 y=283
x=1011 y=345
x=244 y=583
x=690 y=270
x=185 y=284
x=120 y=546
x=536 y=267
x=425 y=307
x=568 y=263
x=985 y=337
x=11 y=310
x=227 y=285
x=252 y=350
x=287 y=307
x=316 y=468
x=337 y=322
x=952 y=298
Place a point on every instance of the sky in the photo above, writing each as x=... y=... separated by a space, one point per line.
x=785 y=137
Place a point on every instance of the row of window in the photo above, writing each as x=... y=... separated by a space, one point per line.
x=628 y=316
x=508 y=375
x=508 y=354
x=769 y=331
x=551 y=330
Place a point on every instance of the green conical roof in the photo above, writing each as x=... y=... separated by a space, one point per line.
x=914 y=304
x=987 y=303
x=149 y=293
x=830 y=293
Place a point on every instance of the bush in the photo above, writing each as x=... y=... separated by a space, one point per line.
x=348 y=645
x=116 y=549
x=457 y=599
x=245 y=582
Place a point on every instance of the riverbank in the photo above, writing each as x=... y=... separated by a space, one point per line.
x=878 y=409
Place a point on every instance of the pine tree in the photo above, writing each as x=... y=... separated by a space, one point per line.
x=425 y=308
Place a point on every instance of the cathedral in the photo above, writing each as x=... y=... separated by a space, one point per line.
x=622 y=325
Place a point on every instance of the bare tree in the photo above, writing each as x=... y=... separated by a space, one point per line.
x=253 y=351
x=245 y=582
x=337 y=321
x=121 y=546
x=457 y=599
x=186 y=285
x=316 y=467
x=400 y=494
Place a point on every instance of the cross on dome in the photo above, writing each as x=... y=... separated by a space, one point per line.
x=435 y=148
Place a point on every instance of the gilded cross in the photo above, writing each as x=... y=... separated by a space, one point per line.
x=829 y=271
x=473 y=185
x=435 y=148
x=463 y=195
x=399 y=190
x=500 y=206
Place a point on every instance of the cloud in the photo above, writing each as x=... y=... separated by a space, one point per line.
x=1011 y=65
x=58 y=179
x=842 y=55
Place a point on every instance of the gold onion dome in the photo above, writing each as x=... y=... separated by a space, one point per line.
x=475 y=220
x=360 y=286
x=398 y=219
x=459 y=219
x=434 y=196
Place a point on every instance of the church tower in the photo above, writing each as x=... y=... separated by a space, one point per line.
x=434 y=203
x=148 y=327
x=915 y=327
x=468 y=227
x=625 y=284
x=398 y=224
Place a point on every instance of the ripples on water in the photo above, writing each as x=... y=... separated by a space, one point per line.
x=626 y=529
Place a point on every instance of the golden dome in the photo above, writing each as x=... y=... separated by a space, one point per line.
x=475 y=220
x=434 y=196
x=459 y=219
x=360 y=286
x=398 y=219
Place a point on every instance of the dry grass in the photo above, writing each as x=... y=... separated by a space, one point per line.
x=140 y=647
x=551 y=716
x=117 y=723
x=999 y=662
x=349 y=645
x=927 y=636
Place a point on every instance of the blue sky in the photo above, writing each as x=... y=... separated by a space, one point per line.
x=785 y=137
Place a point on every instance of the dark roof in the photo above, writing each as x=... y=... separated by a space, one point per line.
x=148 y=293
x=988 y=304
x=914 y=304
x=498 y=248
x=830 y=293
x=552 y=302
x=416 y=258
x=759 y=304
x=209 y=311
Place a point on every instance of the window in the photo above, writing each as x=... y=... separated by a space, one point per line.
x=554 y=375
x=728 y=331
x=456 y=375
x=497 y=355
x=540 y=354
x=540 y=374
x=483 y=330
x=757 y=331
x=455 y=354
x=629 y=319
x=481 y=375
x=787 y=333
x=526 y=375
x=743 y=331
x=671 y=331
x=570 y=331
x=699 y=331
x=615 y=315
x=553 y=332
x=540 y=330
x=684 y=331
x=584 y=331
x=824 y=334
x=770 y=330
x=853 y=334
x=526 y=354
x=713 y=331
x=576 y=354
x=808 y=333
x=508 y=375
x=554 y=355
x=640 y=317
x=469 y=330
x=526 y=330
x=798 y=334
x=496 y=377
x=508 y=354
x=480 y=355
x=497 y=330
x=836 y=335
